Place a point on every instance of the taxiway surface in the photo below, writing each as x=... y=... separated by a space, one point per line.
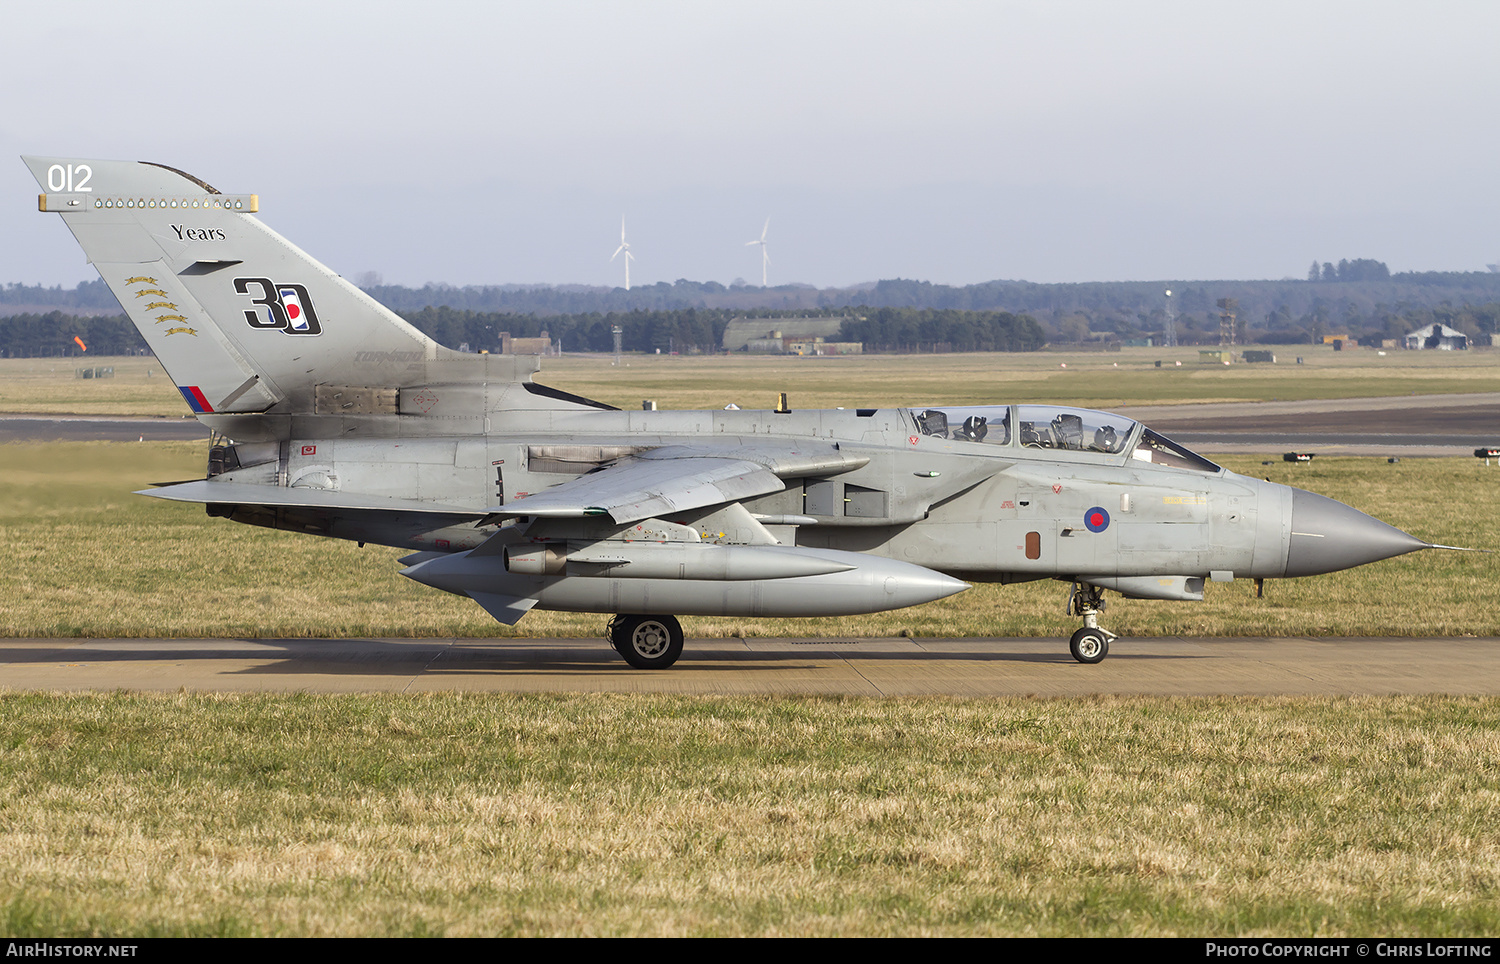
x=1167 y=666
x=1421 y=425
x=1394 y=426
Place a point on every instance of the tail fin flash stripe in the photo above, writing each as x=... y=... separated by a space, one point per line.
x=195 y=399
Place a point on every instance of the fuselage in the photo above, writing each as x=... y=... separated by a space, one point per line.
x=982 y=492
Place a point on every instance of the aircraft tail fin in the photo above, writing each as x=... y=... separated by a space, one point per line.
x=240 y=318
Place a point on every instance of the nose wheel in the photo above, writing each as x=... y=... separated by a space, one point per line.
x=1091 y=643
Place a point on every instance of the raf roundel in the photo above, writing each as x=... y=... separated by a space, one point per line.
x=1096 y=519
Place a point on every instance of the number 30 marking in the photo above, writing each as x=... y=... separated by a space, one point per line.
x=70 y=178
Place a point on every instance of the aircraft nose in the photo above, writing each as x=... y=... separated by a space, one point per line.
x=1328 y=536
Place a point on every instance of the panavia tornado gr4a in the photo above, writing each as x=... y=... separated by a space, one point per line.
x=338 y=418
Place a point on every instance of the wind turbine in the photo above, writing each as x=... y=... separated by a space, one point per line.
x=765 y=258
x=625 y=246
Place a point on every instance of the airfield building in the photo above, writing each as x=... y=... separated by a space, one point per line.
x=785 y=335
x=541 y=345
x=1437 y=336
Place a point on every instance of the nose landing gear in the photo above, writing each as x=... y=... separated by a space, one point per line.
x=1091 y=643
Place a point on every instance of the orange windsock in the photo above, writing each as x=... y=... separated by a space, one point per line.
x=80 y=343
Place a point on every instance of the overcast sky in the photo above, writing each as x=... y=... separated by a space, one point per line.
x=473 y=143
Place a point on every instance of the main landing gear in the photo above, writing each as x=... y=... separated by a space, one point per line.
x=646 y=642
x=1091 y=643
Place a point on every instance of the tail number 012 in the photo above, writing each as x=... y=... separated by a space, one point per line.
x=69 y=178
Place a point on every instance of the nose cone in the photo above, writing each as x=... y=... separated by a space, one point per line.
x=1328 y=536
x=913 y=591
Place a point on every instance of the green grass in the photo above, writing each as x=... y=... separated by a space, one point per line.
x=51 y=386
x=85 y=557
x=1091 y=379
x=463 y=815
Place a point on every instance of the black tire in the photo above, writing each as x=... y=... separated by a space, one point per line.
x=650 y=642
x=1089 y=645
x=614 y=634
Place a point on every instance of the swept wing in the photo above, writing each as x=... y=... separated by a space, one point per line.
x=679 y=477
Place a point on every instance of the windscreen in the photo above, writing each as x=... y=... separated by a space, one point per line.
x=1160 y=450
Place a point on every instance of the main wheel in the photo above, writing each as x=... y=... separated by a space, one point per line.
x=614 y=633
x=650 y=642
x=1089 y=645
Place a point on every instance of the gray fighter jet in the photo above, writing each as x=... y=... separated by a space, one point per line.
x=335 y=417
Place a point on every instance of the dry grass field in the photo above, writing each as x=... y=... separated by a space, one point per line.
x=1092 y=379
x=667 y=816
x=51 y=386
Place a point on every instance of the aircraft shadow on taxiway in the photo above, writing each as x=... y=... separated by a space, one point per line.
x=372 y=657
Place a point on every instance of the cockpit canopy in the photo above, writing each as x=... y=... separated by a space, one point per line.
x=1058 y=428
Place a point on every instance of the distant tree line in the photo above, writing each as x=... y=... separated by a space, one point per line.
x=1388 y=322
x=684 y=330
x=921 y=329
x=89 y=297
x=1359 y=294
x=51 y=335
x=702 y=330
x=1359 y=297
x=1360 y=269
x=1363 y=282
x=1370 y=327
x=681 y=330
